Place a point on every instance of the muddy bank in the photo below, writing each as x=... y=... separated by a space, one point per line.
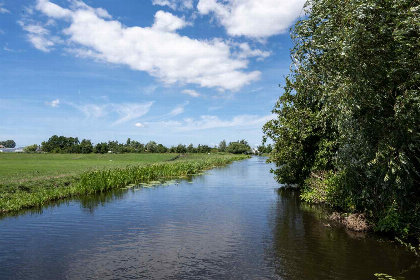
x=354 y=222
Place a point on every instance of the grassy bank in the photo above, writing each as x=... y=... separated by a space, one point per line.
x=32 y=190
x=20 y=167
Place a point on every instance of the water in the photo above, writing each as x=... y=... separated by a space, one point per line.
x=231 y=223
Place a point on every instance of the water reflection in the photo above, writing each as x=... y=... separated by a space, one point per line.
x=228 y=224
x=306 y=247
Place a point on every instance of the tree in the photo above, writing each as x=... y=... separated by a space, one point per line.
x=31 y=149
x=181 y=149
x=161 y=149
x=222 y=146
x=262 y=149
x=8 y=143
x=60 y=144
x=350 y=109
x=85 y=147
x=191 y=149
x=239 y=147
x=136 y=146
x=101 y=148
x=151 y=147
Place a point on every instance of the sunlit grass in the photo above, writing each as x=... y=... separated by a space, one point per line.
x=17 y=195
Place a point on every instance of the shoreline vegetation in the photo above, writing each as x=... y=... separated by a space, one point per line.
x=347 y=125
x=38 y=191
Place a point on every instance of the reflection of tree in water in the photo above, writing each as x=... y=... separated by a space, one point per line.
x=304 y=248
x=87 y=202
x=38 y=210
x=91 y=202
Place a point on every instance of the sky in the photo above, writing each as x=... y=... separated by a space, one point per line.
x=171 y=71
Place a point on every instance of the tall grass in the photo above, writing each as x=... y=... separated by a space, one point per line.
x=103 y=180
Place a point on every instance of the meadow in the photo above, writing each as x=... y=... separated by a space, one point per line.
x=28 y=180
x=20 y=167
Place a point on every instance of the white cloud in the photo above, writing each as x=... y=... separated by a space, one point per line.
x=251 y=18
x=246 y=51
x=125 y=111
x=139 y=125
x=213 y=122
x=174 y=4
x=52 y=10
x=39 y=36
x=92 y=110
x=178 y=110
x=54 y=103
x=191 y=92
x=158 y=50
x=207 y=122
x=3 y=10
x=129 y=111
x=168 y=22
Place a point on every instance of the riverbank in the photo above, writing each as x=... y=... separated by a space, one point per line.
x=16 y=194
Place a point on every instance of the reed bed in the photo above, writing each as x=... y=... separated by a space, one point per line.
x=98 y=181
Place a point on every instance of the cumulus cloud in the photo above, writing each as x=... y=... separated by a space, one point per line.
x=174 y=4
x=168 y=22
x=139 y=125
x=255 y=19
x=52 y=10
x=191 y=92
x=157 y=50
x=246 y=51
x=125 y=111
x=54 y=103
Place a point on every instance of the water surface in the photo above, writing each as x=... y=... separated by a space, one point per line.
x=231 y=223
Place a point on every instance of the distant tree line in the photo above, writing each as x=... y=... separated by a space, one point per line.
x=62 y=144
x=8 y=143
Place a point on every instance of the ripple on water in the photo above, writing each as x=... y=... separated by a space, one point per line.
x=227 y=224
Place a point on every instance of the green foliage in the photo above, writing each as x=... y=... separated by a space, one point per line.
x=101 y=148
x=85 y=147
x=222 y=146
x=31 y=149
x=262 y=149
x=8 y=143
x=384 y=276
x=60 y=144
x=351 y=107
x=239 y=147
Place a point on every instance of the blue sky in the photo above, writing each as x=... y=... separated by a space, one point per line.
x=172 y=71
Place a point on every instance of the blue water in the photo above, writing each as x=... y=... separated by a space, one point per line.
x=231 y=223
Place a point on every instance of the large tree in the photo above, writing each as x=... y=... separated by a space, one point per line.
x=350 y=112
x=8 y=143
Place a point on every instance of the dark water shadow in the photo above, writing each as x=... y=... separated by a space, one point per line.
x=306 y=246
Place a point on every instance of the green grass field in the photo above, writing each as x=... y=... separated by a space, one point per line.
x=28 y=180
x=16 y=167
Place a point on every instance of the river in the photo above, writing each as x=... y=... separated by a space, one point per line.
x=230 y=223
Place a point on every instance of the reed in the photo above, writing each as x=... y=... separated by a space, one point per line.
x=98 y=181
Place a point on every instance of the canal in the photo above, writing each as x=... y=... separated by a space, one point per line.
x=230 y=223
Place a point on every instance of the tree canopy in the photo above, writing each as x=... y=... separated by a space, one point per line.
x=348 y=121
x=8 y=143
